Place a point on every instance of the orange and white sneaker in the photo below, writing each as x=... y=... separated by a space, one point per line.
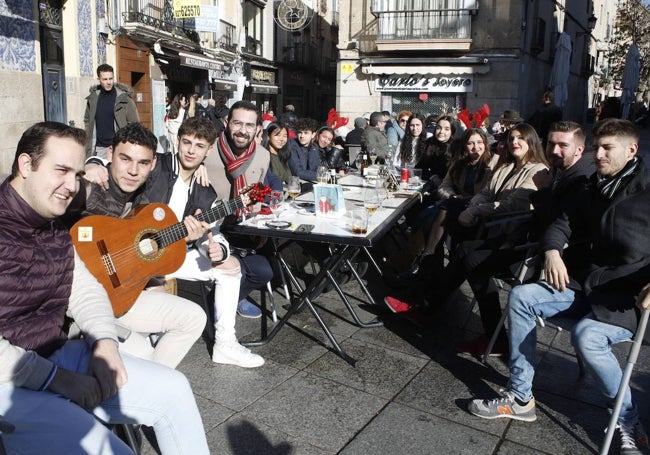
x=504 y=407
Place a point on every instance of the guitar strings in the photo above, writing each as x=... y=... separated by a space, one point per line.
x=167 y=236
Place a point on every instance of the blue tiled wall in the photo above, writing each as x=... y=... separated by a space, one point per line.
x=84 y=19
x=17 y=36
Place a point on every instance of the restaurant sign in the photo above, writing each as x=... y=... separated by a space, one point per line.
x=425 y=83
x=201 y=62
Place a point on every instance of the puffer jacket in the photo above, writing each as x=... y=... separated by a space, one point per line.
x=125 y=112
x=35 y=278
x=112 y=202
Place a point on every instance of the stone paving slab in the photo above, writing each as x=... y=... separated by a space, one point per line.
x=378 y=371
x=241 y=435
x=408 y=393
x=403 y=430
x=234 y=387
x=319 y=411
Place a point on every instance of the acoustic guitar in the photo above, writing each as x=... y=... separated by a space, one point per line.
x=124 y=254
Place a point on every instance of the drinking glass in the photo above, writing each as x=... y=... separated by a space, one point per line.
x=382 y=191
x=276 y=203
x=358 y=160
x=415 y=177
x=371 y=200
x=322 y=174
x=373 y=155
x=359 y=221
x=294 y=187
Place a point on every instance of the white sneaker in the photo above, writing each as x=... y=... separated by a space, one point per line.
x=233 y=353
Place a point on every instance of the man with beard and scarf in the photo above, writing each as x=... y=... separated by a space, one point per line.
x=602 y=288
x=238 y=162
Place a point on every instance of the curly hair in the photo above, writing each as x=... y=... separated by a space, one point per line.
x=135 y=133
x=306 y=124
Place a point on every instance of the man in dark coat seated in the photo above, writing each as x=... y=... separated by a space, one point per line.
x=602 y=288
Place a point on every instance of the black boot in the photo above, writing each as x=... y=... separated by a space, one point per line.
x=420 y=268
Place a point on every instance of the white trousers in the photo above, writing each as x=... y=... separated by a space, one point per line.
x=226 y=278
x=179 y=320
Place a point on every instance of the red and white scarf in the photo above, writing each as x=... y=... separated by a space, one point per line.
x=235 y=165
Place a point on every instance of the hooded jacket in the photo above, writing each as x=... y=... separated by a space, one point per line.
x=125 y=112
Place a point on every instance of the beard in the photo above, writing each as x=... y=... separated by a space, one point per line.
x=239 y=142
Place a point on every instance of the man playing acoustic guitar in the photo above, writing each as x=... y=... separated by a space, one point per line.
x=132 y=158
x=173 y=181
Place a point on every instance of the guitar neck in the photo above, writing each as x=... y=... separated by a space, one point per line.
x=178 y=231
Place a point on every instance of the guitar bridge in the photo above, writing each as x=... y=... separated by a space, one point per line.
x=107 y=260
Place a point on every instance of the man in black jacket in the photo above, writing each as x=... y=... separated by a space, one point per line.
x=174 y=182
x=132 y=157
x=602 y=287
x=479 y=260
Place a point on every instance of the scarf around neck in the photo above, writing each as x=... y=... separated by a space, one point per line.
x=610 y=186
x=235 y=165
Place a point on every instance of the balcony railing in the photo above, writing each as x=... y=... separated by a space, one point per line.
x=253 y=46
x=227 y=40
x=423 y=19
x=159 y=15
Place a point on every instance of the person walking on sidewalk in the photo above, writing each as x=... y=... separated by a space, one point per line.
x=109 y=107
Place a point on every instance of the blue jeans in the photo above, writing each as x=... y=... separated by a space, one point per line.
x=593 y=341
x=256 y=271
x=154 y=395
x=525 y=303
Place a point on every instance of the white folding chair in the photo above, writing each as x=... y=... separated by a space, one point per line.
x=625 y=380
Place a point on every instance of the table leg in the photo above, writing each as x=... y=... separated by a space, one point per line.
x=304 y=299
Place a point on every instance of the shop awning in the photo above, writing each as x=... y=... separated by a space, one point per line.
x=269 y=89
x=200 y=61
x=426 y=66
x=223 y=85
x=423 y=69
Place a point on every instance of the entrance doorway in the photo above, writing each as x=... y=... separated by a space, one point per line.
x=52 y=64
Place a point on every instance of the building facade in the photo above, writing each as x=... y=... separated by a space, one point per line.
x=435 y=56
x=306 y=53
x=51 y=49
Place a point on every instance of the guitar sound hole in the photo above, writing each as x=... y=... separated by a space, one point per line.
x=148 y=245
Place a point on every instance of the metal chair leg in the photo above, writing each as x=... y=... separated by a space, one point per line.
x=625 y=380
x=274 y=314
